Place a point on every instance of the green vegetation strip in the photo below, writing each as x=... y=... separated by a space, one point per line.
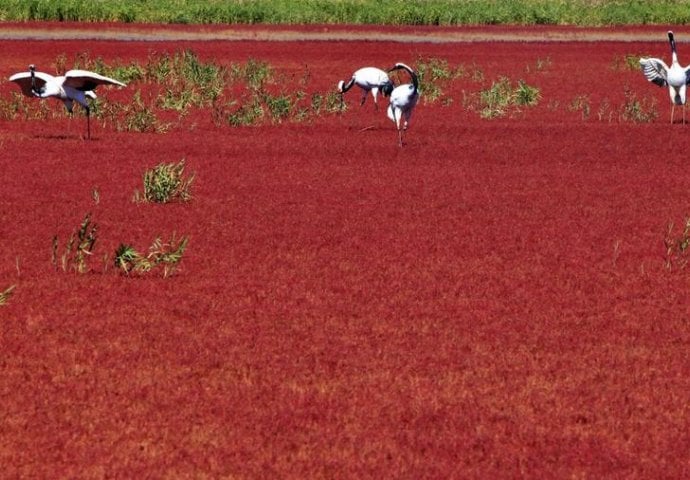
x=390 y=12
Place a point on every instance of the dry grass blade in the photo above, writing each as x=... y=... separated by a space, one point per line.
x=6 y=294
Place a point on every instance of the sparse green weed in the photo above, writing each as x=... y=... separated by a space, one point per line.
x=605 y=112
x=638 y=111
x=248 y=113
x=496 y=99
x=627 y=62
x=330 y=103
x=255 y=73
x=677 y=246
x=501 y=97
x=164 y=255
x=166 y=183
x=279 y=106
x=540 y=65
x=581 y=103
x=79 y=247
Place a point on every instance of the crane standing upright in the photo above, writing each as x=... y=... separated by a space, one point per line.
x=403 y=100
x=675 y=77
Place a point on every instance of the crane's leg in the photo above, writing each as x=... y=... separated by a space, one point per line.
x=673 y=109
x=398 y=117
x=88 y=122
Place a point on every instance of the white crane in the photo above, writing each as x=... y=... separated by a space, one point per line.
x=73 y=86
x=675 y=77
x=369 y=79
x=403 y=100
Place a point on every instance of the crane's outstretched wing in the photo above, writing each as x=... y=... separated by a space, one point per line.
x=655 y=70
x=23 y=79
x=85 y=81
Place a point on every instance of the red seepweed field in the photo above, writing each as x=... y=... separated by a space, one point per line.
x=489 y=301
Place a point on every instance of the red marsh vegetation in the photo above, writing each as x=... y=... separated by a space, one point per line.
x=491 y=300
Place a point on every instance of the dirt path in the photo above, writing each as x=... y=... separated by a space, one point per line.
x=155 y=33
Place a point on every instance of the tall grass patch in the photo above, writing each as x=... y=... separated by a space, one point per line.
x=504 y=97
x=391 y=12
x=166 y=182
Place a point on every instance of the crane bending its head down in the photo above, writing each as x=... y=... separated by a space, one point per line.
x=403 y=100
x=675 y=77
x=73 y=86
x=369 y=79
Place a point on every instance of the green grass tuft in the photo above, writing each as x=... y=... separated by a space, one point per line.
x=502 y=96
x=166 y=183
x=163 y=255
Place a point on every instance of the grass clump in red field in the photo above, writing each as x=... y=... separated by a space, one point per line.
x=166 y=255
x=6 y=294
x=165 y=183
x=502 y=97
x=677 y=246
x=79 y=247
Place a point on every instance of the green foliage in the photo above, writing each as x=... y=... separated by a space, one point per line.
x=138 y=117
x=248 y=113
x=279 y=106
x=126 y=73
x=237 y=94
x=627 y=62
x=17 y=106
x=501 y=96
x=163 y=255
x=434 y=75
x=166 y=183
x=638 y=111
x=6 y=294
x=330 y=103
x=79 y=247
x=391 y=12
x=526 y=95
x=496 y=99
x=189 y=80
x=255 y=73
